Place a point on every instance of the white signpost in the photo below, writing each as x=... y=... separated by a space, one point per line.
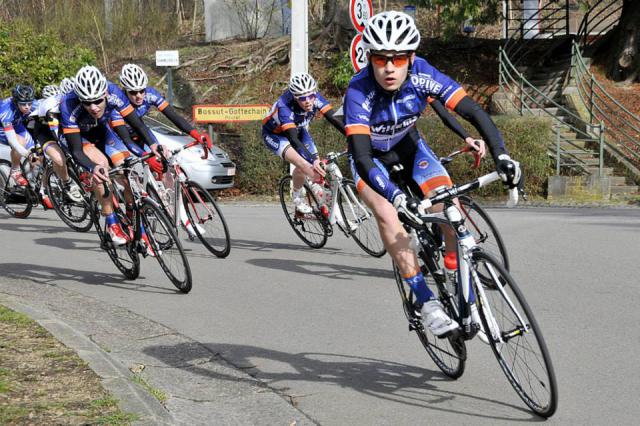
x=168 y=58
x=360 y=11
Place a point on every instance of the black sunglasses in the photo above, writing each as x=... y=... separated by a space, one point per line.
x=135 y=92
x=94 y=102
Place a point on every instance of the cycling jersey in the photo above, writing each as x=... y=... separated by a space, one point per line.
x=152 y=98
x=11 y=118
x=287 y=114
x=387 y=117
x=74 y=118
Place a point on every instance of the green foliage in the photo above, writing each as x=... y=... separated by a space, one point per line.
x=341 y=71
x=527 y=138
x=33 y=57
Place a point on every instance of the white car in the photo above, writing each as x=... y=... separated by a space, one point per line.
x=216 y=172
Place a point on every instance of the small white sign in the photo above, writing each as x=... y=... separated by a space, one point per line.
x=358 y=55
x=360 y=12
x=167 y=58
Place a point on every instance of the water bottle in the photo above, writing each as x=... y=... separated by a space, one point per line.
x=451 y=266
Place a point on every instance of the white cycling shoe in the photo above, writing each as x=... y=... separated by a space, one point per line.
x=301 y=206
x=192 y=231
x=73 y=192
x=434 y=317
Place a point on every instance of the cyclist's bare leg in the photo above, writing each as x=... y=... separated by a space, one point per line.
x=97 y=157
x=394 y=237
x=15 y=156
x=302 y=167
x=54 y=152
x=450 y=240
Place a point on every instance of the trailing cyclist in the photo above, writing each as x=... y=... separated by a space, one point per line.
x=14 y=112
x=382 y=104
x=43 y=127
x=287 y=125
x=94 y=145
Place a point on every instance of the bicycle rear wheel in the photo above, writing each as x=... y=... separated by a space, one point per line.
x=75 y=215
x=449 y=353
x=312 y=228
x=206 y=219
x=515 y=337
x=164 y=242
x=17 y=200
x=483 y=229
x=125 y=257
x=359 y=220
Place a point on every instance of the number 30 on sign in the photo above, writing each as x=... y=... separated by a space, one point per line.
x=360 y=11
x=358 y=55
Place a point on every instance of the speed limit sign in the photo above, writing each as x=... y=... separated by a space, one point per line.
x=360 y=12
x=358 y=55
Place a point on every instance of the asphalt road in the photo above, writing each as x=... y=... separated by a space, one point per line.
x=326 y=326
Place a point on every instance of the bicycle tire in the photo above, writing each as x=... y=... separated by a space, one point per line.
x=206 y=219
x=483 y=229
x=449 y=353
x=17 y=200
x=75 y=215
x=125 y=257
x=168 y=249
x=311 y=228
x=359 y=220
x=499 y=310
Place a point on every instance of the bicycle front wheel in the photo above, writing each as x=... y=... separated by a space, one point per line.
x=312 y=228
x=515 y=336
x=206 y=219
x=16 y=200
x=449 y=353
x=164 y=242
x=359 y=220
x=483 y=229
x=124 y=256
x=75 y=215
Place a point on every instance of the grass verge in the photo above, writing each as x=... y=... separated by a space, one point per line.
x=44 y=382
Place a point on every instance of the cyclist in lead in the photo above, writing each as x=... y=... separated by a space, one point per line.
x=84 y=120
x=382 y=104
x=287 y=125
x=14 y=112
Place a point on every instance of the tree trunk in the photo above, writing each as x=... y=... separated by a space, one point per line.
x=623 y=63
x=337 y=23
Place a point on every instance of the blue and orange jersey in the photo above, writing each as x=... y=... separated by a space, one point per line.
x=286 y=113
x=152 y=98
x=11 y=117
x=386 y=117
x=74 y=118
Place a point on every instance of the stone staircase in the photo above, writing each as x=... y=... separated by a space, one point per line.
x=575 y=146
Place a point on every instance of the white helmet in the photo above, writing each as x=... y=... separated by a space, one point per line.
x=393 y=31
x=133 y=77
x=67 y=85
x=90 y=83
x=50 y=90
x=301 y=83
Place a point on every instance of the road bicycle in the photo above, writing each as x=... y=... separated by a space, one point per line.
x=145 y=213
x=334 y=201
x=481 y=280
x=189 y=205
x=19 y=201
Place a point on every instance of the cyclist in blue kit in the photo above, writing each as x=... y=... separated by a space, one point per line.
x=382 y=104
x=287 y=126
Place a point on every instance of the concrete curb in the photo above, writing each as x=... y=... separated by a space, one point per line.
x=115 y=378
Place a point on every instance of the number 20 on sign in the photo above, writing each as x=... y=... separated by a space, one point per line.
x=358 y=55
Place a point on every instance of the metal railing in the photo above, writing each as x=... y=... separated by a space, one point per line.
x=528 y=99
x=623 y=127
x=599 y=19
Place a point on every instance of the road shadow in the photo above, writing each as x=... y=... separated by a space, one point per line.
x=386 y=380
x=52 y=275
x=26 y=226
x=332 y=271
